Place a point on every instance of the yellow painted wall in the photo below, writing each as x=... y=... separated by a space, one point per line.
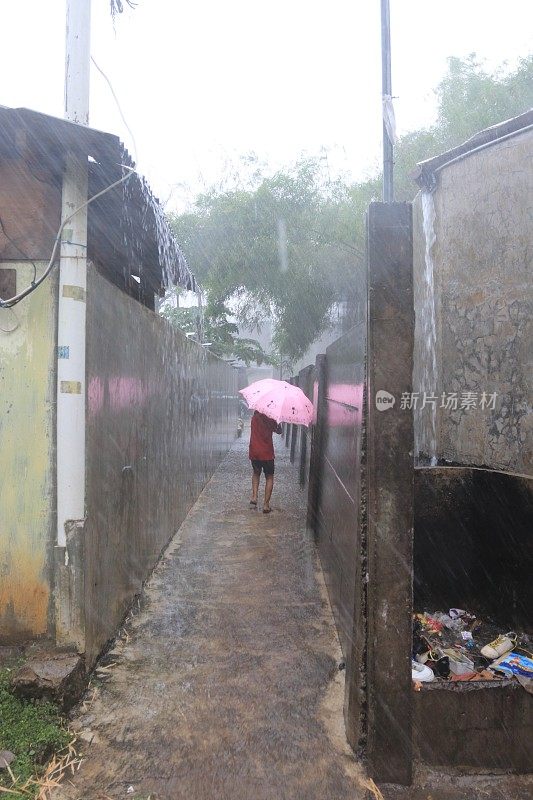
x=27 y=413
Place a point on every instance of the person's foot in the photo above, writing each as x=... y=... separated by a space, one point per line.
x=267 y=510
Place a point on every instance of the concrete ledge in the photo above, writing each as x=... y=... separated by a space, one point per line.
x=480 y=725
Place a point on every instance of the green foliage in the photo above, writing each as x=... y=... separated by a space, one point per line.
x=32 y=730
x=219 y=331
x=471 y=99
x=231 y=235
x=232 y=241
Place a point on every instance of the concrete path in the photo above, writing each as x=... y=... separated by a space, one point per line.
x=225 y=684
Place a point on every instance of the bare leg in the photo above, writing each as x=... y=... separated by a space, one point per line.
x=269 y=485
x=255 y=486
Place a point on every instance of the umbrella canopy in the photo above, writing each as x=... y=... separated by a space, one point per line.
x=279 y=400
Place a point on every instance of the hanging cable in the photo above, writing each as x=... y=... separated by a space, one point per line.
x=21 y=295
x=115 y=98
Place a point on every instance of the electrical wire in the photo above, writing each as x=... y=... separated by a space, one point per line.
x=14 y=328
x=115 y=98
x=21 y=295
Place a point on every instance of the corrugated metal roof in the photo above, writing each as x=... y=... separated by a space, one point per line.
x=127 y=227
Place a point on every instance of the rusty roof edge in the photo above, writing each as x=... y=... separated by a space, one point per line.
x=424 y=174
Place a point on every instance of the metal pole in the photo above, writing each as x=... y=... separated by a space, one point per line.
x=386 y=90
x=200 y=318
x=71 y=379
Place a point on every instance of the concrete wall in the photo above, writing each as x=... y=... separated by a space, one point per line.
x=472 y=542
x=339 y=530
x=30 y=199
x=480 y=725
x=471 y=526
x=361 y=500
x=484 y=305
x=319 y=346
x=161 y=416
x=27 y=414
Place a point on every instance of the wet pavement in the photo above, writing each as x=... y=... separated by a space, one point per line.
x=225 y=683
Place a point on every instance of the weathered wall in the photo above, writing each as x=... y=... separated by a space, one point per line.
x=478 y=725
x=472 y=544
x=360 y=509
x=472 y=536
x=27 y=413
x=161 y=416
x=338 y=533
x=483 y=258
x=30 y=200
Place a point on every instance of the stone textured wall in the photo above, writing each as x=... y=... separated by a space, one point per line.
x=483 y=259
x=161 y=415
x=27 y=415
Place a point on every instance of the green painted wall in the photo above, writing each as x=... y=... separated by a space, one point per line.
x=27 y=497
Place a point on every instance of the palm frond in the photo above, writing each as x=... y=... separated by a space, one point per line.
x=117 y=6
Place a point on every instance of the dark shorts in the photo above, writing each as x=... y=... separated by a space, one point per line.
x=266 y=466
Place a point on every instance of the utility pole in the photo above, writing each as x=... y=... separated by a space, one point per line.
x=386 y=92
x=200 y=316
x=71 y=377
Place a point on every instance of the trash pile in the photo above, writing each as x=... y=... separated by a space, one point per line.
x=457 y=646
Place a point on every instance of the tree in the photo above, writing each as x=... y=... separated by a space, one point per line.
x=232 y=240
x=231 y=236
x=471 y=99
x=219 y=332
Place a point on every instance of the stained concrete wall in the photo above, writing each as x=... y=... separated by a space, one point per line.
x=30 y=199
x=161 y=415
x=484 y=305
x=339 y=524
x=485 y=725
x=27 y=414
x=471 y=536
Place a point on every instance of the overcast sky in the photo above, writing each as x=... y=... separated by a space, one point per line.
x=200 y=81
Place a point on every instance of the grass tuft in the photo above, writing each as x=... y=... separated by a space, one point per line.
x=34 y=730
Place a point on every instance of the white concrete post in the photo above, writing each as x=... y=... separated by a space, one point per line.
x=77 y=61
x=71 y=388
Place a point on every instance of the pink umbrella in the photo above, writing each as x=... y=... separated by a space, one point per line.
x=279 y=400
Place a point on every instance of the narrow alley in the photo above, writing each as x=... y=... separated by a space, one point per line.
x=243 y=217
x=226 y=683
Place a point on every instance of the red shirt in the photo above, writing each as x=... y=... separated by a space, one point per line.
x=261 y=447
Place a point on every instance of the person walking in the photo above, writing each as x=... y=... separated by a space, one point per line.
x=261 y=454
